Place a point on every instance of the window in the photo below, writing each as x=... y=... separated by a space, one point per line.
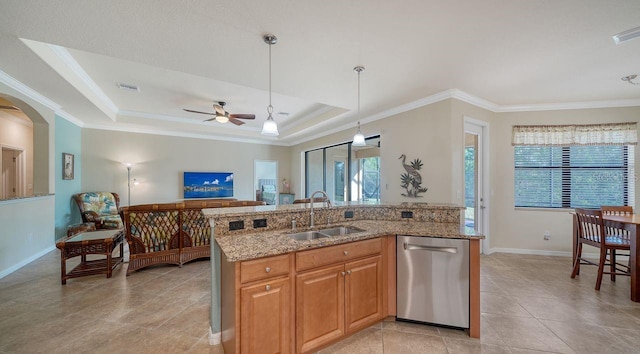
x=574 y=176
x=345 y=172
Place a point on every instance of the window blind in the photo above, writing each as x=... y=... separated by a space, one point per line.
x=574 y=176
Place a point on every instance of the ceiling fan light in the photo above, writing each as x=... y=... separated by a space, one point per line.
x=222 y=119
x=270 y=127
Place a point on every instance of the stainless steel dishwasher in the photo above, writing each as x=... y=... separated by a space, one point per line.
x=433 y=280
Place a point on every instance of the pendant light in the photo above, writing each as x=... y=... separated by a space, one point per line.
x=358 y=139
x=270 y=127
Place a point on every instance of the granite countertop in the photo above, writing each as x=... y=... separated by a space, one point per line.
x=270 y=243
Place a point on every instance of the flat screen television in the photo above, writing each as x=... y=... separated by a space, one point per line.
x=208 y=185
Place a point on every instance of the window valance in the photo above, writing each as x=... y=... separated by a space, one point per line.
x=572 y=135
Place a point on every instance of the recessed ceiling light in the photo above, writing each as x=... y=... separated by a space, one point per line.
x=627 y=35
x=128 y=87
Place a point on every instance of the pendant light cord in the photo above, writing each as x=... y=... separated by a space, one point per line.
x=270 y=108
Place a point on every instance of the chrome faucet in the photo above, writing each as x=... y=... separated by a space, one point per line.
x=326 y=197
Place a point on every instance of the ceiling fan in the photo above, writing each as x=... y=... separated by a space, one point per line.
x=223 y=116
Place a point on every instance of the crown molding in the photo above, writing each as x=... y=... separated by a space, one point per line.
x=569 y=105
x=66 y=115
x=73 y=65
x=27 y=91
x=185 y=135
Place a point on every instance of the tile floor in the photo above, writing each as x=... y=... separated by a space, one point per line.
x=529 y=305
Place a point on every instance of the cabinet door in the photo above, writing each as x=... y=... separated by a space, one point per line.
x=319 y=307
x=265 y=316
x=363 y=293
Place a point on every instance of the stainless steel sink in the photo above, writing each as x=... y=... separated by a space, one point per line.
x=316 y=234
x=307 y=235
x=340 y=231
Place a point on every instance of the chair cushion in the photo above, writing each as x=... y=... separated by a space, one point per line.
x=102 y=203
x=111 y=222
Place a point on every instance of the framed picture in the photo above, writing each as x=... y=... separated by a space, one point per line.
x=286 y=198
x=67 y=166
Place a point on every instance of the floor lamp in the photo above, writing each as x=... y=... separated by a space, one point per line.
x=128 y=184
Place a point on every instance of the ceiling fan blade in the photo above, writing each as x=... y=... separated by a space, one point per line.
x=209 y=120
x=235 y=121
x=188 y=110
x=243 y=116
x=10 y=108
x=219 y=109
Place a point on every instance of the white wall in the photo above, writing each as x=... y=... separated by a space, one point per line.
x=27 y=231
x=159 y=162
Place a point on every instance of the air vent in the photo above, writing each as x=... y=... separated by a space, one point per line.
x=128 y=87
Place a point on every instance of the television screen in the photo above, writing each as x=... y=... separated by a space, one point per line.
x=208 y=184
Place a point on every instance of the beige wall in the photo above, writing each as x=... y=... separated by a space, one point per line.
x=432 y=133
x=523 y=229
x=159 y=162
x=435 y=134
x=18 y=135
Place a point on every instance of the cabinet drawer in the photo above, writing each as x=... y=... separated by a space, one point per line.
x=338 y=253
x=263 y=268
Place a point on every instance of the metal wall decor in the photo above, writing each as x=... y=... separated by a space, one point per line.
x=411 y=179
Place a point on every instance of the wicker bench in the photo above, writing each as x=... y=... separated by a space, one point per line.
x=170 y=233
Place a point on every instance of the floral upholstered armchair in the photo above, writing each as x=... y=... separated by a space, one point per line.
x=100 y=208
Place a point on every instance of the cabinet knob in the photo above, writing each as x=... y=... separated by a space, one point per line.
x=345 y=252
x=268 y=287
x=349 y=272
x=268 y=269
x=343 y=273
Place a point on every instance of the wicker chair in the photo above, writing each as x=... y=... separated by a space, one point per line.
x=592 y=231
x=100 y=208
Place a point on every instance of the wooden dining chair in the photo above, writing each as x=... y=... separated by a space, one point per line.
x=617 y=209
x=592 y=231
x=610 y=229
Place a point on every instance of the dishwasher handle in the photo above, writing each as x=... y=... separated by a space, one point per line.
x=411 y=247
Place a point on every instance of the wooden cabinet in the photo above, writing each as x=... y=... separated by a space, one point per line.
x=265 y=312
x=339 y=299
x=363 y=293
x=319 y=307
x=300 y=302
x=257 y=305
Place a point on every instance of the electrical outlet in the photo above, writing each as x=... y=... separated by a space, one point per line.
x=547 y=235
x=257 y=223
x=348 y=214
x=236 y=225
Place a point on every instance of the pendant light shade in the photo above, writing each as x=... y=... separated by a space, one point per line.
x=270 y=127
x=358 y=139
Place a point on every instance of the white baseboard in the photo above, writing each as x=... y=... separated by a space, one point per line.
x=214 y=338
x=539 y=252
x=24 y=262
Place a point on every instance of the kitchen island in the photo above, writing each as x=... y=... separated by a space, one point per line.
x=274 y=289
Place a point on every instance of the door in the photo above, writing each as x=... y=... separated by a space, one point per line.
x=363 y=293
x=474 y=176
x=9 y=174
x=265 y=317
x=319 y=307
x=339 y=177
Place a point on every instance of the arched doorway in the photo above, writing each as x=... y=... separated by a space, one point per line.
x=24 y=143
